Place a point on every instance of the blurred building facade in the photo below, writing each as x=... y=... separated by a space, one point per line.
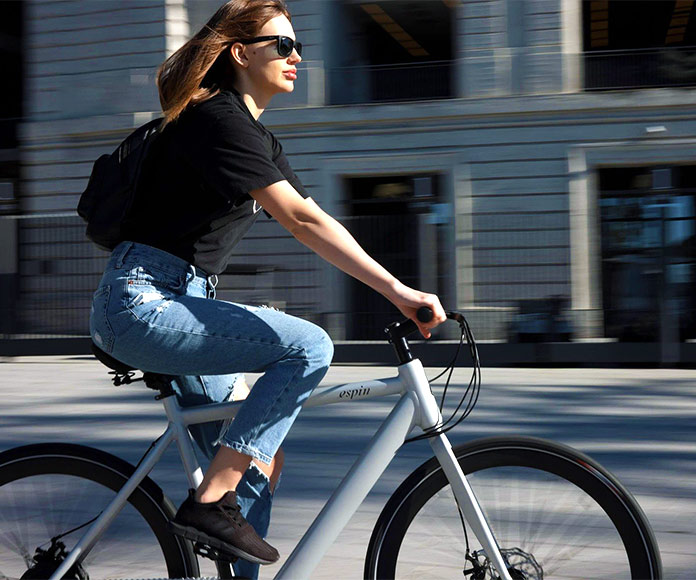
x=533 y=162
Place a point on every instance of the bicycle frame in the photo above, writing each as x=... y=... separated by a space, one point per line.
x=416 y=407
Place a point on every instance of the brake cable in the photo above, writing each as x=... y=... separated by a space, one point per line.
x=62 y=535
x=472 y=391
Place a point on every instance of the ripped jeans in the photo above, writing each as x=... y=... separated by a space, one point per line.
x=151 y=311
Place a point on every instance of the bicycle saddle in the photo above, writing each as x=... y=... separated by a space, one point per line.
x=111 y=362
x=123 y=374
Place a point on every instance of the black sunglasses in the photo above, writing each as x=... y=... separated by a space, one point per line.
x=284 y=47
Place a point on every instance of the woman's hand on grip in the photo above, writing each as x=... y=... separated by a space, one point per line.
x=408 y=301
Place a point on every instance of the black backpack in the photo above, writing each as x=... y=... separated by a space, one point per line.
x=112 y=184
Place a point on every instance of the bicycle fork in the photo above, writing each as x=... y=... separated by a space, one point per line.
x=413 y=375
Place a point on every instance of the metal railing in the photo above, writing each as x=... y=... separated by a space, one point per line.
x=46 y=286
x=57 y=270
x=46 y=291
x=394 y=82
x=640 y=68
x=507 y=71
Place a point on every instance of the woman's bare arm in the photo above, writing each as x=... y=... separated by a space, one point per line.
x=317 y=230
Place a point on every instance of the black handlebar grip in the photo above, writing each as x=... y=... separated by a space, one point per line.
x=424 y=314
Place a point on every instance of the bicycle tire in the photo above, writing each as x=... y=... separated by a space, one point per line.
x=23 y=471
x=488 y=463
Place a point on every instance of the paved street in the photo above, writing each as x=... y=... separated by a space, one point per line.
x=641 y=424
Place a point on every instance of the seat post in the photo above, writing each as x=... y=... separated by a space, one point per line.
x=183 y=439
x=161 y=383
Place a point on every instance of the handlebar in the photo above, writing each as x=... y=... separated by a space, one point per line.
x=398 y=331
x=424 y=314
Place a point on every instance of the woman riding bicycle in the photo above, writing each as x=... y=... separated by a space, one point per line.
x=210 y=172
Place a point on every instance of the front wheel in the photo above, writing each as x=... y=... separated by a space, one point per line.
x=554 y=512
x=49 y=494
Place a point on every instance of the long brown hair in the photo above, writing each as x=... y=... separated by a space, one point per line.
x=200 y=68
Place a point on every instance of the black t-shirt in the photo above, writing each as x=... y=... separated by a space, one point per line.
x=193 y=196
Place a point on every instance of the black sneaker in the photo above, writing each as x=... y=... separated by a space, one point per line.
x=222 y=526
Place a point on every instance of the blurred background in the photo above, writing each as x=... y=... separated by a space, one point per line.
x=531 y=161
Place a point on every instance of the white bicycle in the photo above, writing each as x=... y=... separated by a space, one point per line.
x=516 y=508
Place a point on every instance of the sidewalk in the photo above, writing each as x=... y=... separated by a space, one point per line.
x=640 y=424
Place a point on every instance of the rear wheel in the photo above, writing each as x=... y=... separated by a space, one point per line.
x=554 y=512
x=48 y=493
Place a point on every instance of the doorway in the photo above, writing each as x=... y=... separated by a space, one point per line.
x=400 y=221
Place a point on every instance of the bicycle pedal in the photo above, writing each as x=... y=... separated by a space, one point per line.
x=214 y=554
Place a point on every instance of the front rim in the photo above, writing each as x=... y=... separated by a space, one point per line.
x=546 y=526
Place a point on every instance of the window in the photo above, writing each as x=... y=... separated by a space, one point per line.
x=10 y=101
x=391 y=51
x=651 y=43
x=648 y=219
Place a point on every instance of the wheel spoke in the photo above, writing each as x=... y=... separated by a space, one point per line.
x=562 y=526
x=57 y=497
x=552 y=516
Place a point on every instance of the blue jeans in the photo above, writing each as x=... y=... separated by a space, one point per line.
x=151 y=311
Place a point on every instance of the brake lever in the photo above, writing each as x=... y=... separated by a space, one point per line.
x=457 y=316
